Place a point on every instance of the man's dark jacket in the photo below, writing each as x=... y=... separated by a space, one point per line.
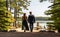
x=31 y=19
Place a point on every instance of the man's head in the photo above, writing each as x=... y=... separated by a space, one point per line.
x=30 y=13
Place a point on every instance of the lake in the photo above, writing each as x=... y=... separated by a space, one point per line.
x=42 y=23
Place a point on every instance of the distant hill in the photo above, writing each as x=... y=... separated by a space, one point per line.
x=42 y=18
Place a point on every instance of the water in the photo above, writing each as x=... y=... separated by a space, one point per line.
x=42 y=23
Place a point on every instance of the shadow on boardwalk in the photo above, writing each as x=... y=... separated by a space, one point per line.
x=29 y=34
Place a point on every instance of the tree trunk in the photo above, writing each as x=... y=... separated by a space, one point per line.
x=59 y=30
x=7 y=4
x=15 y=16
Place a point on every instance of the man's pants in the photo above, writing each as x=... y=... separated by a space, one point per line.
x=31 y=27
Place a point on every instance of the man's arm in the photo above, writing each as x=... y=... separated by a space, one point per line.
x=34 y=19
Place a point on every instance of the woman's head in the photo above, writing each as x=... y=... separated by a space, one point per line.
x=24 y=14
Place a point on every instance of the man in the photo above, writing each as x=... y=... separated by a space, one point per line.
x=31 y=21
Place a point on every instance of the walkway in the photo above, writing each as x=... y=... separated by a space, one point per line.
x=20 y=30
x=29 y=34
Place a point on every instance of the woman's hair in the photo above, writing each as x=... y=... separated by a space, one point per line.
x=24 y=14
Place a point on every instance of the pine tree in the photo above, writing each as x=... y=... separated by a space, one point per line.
x=18 y=5
x=5 y=16
x=55 y=13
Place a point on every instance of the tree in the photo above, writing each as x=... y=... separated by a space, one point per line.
x=55 y=13
x=5 y=16
x=18 y=5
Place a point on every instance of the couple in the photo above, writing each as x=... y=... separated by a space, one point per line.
x=25 y=21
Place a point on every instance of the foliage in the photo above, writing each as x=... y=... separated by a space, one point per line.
x=18 y=5
x=50 y=26
x=55 y=13
x=5 y=16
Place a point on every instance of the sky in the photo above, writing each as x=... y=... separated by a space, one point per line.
x=38 y=8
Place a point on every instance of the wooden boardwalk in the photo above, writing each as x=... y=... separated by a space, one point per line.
x=35 y=33
x=20 y=30
x=29 y=34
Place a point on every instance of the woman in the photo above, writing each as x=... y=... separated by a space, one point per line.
x=24 y=22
